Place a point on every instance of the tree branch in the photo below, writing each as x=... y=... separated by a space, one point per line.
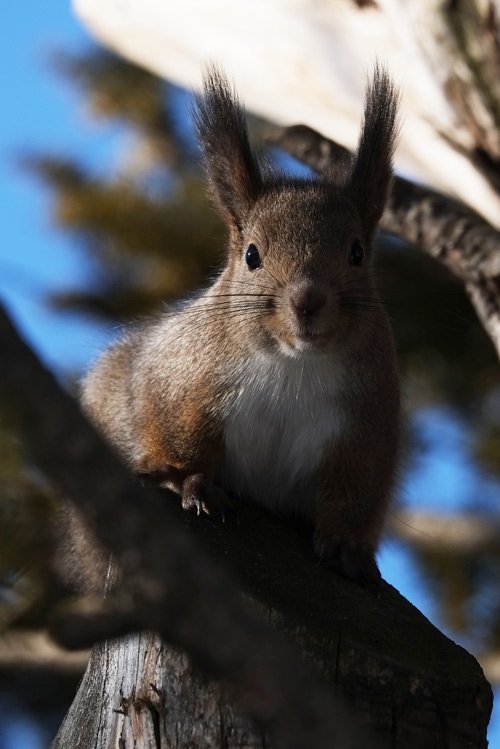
x=35 y=649
x=170 y=586
x=464 y=533
x=390 y=662
x=440 y=226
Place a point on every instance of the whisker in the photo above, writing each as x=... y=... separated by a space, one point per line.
x=299 y=385
x=232 y=319
x=280 y=283
x=236 y=296
x=253 y=283
x=223 y=305
x=320 y=382
x=358 y=303
x=367 y=302
x=366 y=319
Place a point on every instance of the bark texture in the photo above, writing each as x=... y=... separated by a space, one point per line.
x=404 y=681
x=402 y=678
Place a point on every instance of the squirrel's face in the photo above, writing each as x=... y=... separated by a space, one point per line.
x=299 y=270
x=297 y=274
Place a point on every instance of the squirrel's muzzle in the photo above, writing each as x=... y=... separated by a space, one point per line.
x=307 y=299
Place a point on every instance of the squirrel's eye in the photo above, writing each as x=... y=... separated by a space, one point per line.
x=357 y=253
x=252 y=257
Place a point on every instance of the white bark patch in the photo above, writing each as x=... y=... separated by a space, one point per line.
x=297 y=61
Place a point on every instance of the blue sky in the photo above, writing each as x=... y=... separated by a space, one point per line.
x=42 y=112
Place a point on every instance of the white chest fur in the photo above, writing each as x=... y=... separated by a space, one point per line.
x=279 y=423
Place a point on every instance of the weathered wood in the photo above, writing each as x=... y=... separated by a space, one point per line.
x=138 y=693
x=406 y=681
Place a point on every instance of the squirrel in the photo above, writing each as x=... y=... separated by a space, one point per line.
x=278 y=382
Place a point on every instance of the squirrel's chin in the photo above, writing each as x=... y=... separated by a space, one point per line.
x=304 y=343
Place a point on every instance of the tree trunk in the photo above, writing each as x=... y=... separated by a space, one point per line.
x=405 y=680
x=138 y=693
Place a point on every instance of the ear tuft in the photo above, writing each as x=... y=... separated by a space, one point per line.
x=234 y=175
x=372 y=168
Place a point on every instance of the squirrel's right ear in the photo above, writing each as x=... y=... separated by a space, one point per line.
x=233 y=172
x=372 y=167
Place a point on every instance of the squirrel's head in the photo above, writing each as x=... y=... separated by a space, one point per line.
x=299 y=249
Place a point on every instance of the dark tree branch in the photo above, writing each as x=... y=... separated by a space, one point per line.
x=440 y=226
x=169 y=585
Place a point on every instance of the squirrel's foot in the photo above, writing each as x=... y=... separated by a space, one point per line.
x=203 y=497
x=355 y=561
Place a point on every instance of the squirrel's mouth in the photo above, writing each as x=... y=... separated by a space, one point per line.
x=310 y=340
x=311 y=331
x=305 y=340
x=310 y=335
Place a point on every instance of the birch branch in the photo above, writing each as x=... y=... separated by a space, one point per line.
x=305 y=60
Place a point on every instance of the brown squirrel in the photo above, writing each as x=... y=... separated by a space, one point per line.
x=278 y=382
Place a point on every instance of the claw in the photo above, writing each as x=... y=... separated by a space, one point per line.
x=205 y=498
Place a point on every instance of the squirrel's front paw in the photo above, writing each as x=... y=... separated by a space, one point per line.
x=356 y=561
x=203 y=497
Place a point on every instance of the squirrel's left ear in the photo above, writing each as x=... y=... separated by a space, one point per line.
x=372 y=166
x=233 y=172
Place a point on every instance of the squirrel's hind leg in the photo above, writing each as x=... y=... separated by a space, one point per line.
x=356 y=561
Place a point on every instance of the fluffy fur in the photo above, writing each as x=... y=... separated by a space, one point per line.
x=278 y=382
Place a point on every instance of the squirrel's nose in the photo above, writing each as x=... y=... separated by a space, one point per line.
x=307 y=299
